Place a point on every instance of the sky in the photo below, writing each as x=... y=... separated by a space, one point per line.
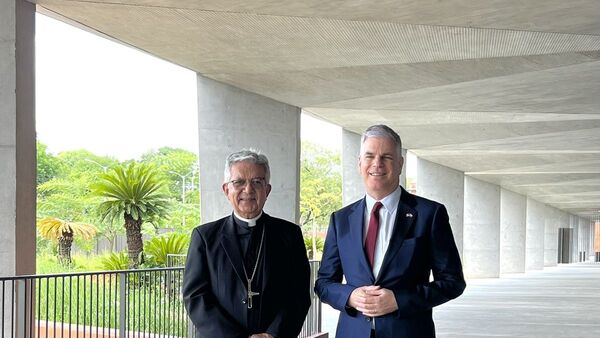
x=113 y=100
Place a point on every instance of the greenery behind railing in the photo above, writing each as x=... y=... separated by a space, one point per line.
x=153 y=301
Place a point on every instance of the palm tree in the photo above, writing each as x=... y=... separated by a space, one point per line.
x=63 y=231
x=134 y=192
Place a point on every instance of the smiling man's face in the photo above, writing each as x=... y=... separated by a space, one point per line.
x=247 y=200
x=380 y=166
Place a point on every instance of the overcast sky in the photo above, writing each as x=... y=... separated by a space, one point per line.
x=116 y=101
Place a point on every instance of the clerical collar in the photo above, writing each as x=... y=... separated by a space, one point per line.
x=251 y=222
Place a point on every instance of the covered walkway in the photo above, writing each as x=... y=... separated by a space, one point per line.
x=558 y=301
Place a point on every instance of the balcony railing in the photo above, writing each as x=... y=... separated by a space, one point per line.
x=127 y=303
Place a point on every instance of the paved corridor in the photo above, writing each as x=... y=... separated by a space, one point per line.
x=562 y=301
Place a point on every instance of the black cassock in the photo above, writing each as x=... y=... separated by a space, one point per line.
x=215 y=289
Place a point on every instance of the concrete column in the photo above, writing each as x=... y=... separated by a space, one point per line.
x=513 y=215
x=551 y=225
x=481 y=246
x=591 y=238
x=583 y=238
x=534 y=238
x=17 y=138
x=230 y=119
x=587 y=237
x=447 y=186
x=564 y=222
x=352 y=185
x=574 y=224
x=595 y=224
x=403 y=173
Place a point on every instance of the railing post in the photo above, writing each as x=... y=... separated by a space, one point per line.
x=122 y=304
x=20 y=308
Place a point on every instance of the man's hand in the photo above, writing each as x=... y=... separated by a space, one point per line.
x=261 y=335
x=373 y=300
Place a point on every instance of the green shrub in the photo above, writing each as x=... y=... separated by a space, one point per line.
x=308 y=243
x=115 y=261
x=157 y=249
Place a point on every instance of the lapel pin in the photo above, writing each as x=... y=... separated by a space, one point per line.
x=409 y=214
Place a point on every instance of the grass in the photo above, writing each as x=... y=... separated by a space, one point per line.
x=48 y=264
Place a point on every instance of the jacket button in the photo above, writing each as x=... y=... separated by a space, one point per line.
x=368 y=319
x=243 y=301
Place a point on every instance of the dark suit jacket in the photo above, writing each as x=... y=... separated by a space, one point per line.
x=421 y=243
x=214 y=284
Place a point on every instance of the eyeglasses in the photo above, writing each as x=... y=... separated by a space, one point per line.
x=256 y=182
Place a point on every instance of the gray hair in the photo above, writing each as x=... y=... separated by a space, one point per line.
x=246 y=155
x=381 y=130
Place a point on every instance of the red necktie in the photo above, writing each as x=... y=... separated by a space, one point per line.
x=372 y=233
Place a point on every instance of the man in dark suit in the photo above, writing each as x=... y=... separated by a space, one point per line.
x=247 y=274
x=386 y=245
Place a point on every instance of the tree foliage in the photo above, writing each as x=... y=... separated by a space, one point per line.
x=180 y=168
x=67 y=194
x=135 y=193
x=320 y=193
x=48 y=166
x=320 y=184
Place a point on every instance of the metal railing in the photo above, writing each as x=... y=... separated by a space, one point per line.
x=95 y=304
x=312 y=323
x=126 y=303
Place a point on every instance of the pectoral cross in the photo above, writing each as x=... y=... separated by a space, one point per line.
x=251 y=293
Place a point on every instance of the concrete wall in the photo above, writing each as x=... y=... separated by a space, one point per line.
x=447 y=186
x=551 y=225
x=352 y=185
x=17 y=138
x=534 y=240
x=513 y=215
x=481 y=244
x=230 y=119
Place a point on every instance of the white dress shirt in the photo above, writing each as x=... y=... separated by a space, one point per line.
x=387 y=216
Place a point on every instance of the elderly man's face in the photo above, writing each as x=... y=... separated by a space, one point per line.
x=247 y=189
x=380 y=166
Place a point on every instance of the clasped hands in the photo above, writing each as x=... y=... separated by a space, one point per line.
x=373 y=300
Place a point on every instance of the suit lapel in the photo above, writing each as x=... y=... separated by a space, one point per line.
x=356 y=220
x=232 y=248
x=405 y=215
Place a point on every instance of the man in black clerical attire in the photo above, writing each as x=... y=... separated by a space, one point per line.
x=247 y=274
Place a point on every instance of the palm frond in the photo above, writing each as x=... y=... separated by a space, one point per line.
x=54 y=228
x=134 y=190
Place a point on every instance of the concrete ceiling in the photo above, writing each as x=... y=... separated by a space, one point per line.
x=507 y=91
